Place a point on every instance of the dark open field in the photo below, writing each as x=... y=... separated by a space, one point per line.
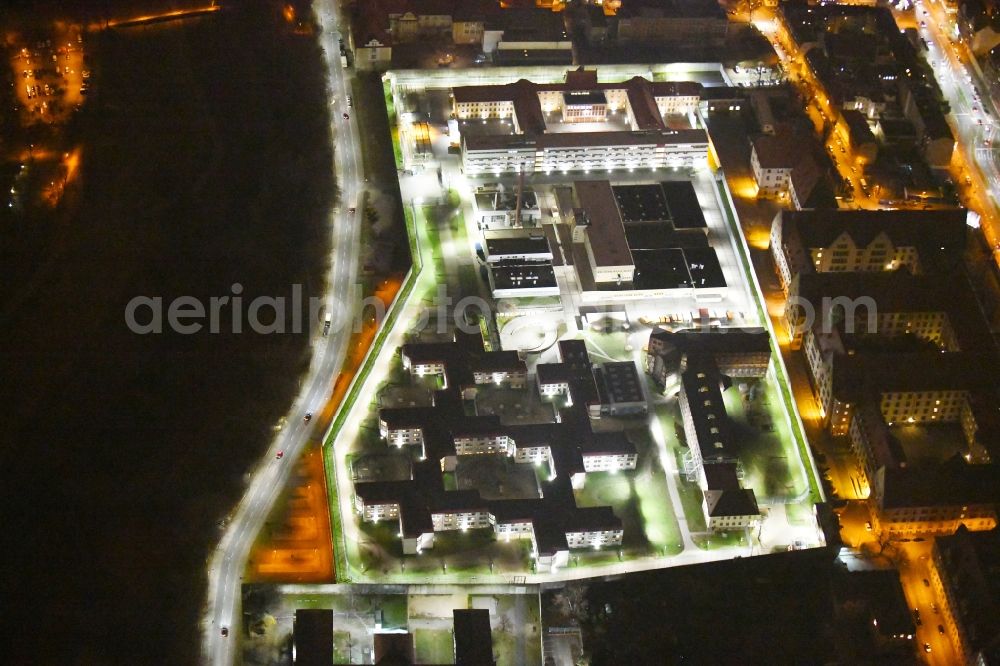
x=206 y=162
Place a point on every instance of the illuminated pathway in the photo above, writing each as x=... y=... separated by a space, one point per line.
x=269 y=478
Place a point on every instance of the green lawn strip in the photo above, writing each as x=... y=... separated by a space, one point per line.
x=342 y=647
x=505 y=648
x=718 y=540
x=395 y=611
x=794 y=473
x=798 y=429
x=800 y=514
x=468 y=279
x=390 y=107
x=434 y=240
x=397 y=149
x=333 y=490
x=434 y=646
x=657 y=512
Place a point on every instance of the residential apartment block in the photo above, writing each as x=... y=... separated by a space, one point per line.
x=823 y=241
x=966 y=574
x=898 y=352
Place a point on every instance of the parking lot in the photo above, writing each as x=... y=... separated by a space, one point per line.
x=51 y=76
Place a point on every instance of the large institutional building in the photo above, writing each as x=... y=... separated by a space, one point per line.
x=638 y=241
x=441 y=434
x=579 y=125
x=706 y=360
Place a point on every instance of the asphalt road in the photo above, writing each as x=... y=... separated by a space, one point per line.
x=270 y=476
x=973 y=122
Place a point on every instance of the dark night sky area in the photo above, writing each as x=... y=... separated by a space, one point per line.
x=205 y=162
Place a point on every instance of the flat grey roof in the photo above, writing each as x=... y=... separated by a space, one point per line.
x=526 y=276
x=517 y=245
x=606 y=232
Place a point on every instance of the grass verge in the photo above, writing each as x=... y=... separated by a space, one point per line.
x=798 y=430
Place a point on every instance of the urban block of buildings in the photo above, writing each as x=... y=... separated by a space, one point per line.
x=887 y=107
x=894 y=339
x=788 y=163
x=966 y=575
x=564 y=452
x=508 y=32
x=705 y=361
x=864 y=63
x=821 y=241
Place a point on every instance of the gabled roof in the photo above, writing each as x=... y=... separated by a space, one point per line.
x=778 y=151
x=737 y=502
x=952 y=483
x=930 y=231
x=854 y=377
x=714 y=340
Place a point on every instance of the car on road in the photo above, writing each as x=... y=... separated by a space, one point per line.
x=352 y=210
x=934 y=607
x=350 y=101
x=916 y=617
x=225 y=631
x=941 y=629
x=927 y=647
x=927 y=583
x=308 y=417
x=346 y=117
x=279 y=455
